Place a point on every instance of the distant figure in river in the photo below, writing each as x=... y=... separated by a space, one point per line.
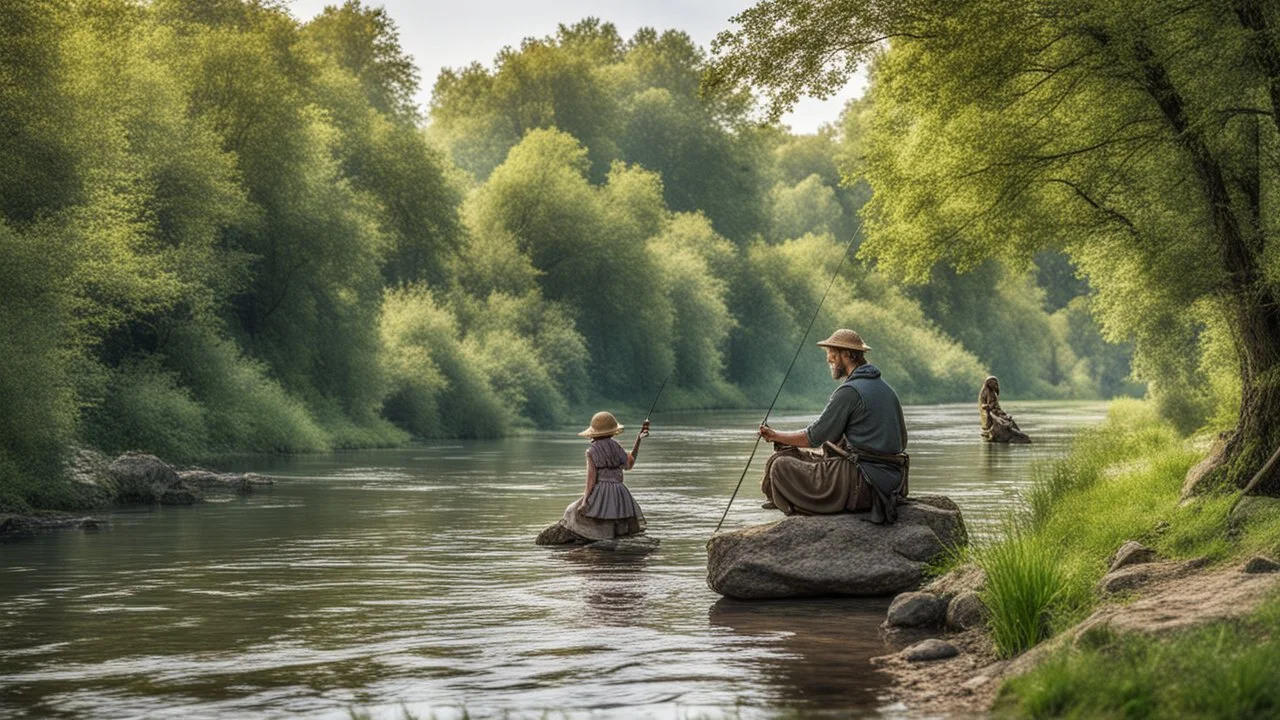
x=606 y=509
x=997 y=425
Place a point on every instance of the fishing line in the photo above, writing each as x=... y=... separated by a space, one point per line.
x=799 y=347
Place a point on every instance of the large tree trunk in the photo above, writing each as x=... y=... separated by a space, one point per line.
x=1257 y=434
x=1251 y=305
x=1251 y=15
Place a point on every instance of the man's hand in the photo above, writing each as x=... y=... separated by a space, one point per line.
x=768 y=433
x=644 y=430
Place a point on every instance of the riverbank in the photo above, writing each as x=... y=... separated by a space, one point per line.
x=1183 y=621
x=95 y=482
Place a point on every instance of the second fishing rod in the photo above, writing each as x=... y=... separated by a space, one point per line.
x=799 y=347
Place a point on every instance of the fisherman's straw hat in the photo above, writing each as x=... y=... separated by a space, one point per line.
x=845 y=340
x=603 y=424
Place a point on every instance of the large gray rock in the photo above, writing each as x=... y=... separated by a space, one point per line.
x=139 y=477
x=916 y=609
x=808 y=556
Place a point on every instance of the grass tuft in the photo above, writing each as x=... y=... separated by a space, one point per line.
x=1224 y=670
x=1025 y=588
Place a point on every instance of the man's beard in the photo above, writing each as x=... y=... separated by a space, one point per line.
x=837 y=371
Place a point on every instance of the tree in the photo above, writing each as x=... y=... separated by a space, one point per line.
x=364 y=42
x=365 y=84
x=550 y=82
x=1139 y=136
x=586 y=247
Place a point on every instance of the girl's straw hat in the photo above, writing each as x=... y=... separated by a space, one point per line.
x=603 y=424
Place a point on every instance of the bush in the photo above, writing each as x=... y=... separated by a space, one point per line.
x=245 y=409
x=437 y=386
x=146 y=409
x=36 y=367
x=1024 y=591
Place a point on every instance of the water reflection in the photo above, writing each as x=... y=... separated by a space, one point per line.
x=825 y=645
x=409 y=576
x=614 y=587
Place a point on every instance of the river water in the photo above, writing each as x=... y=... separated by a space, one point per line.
x=408 y=579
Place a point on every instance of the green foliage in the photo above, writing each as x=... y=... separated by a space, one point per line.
x=804 y=208
x=694 y=263
x=529 y=349
x=636 y=101
x=246 y=411
x=587 y=246
x=1134 y=136
x=557 y=81
x=364 y=43
x=223 y=230
x=146 y=409
x=996 y=314
x=1023 y=590
x=1218 y=671
x=917 y=359
x=36 y=383
x=436 y=388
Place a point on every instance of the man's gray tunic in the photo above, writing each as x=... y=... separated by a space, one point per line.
x=865 y=411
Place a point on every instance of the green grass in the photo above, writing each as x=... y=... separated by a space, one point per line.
x=1122 y=482
x=1224 y=670
x=1025 y=590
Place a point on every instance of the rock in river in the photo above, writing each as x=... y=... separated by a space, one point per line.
x=817 y=555
x=558 y=534
x=145 y=478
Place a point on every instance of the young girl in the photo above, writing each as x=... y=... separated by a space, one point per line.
x=606 y=509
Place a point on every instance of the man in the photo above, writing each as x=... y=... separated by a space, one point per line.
x=863 y=415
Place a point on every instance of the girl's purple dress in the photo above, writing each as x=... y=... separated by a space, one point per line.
x=610 y=511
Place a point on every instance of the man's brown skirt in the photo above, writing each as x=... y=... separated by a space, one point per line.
x=808 y=483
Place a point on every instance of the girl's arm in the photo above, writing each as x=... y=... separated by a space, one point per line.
x=635 y=449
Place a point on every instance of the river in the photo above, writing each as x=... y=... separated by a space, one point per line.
x=408 y=579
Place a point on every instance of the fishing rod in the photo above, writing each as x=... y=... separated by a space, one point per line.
x=655 y=400
x=788 y=373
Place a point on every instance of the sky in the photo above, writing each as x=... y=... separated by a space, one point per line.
x=454 y=34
